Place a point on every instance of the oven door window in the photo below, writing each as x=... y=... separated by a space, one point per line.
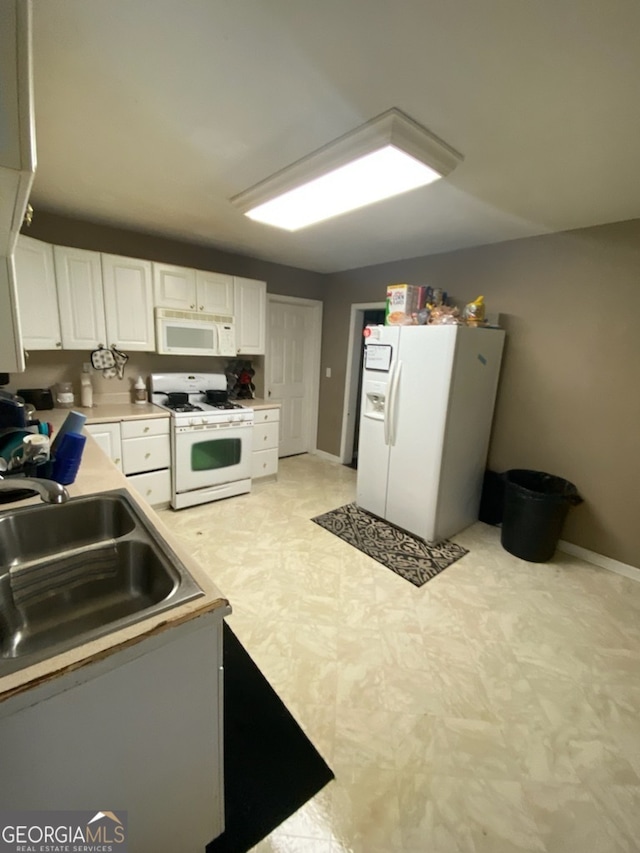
x=215 y=453
x=211 y=457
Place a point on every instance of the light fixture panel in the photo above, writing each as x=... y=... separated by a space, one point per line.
x=385 y=157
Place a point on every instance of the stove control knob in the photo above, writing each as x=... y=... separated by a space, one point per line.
x=191 y=421
x=203 y=420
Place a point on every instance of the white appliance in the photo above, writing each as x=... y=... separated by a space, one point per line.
x=194 y=333
x=211 y=442
x=428 y=394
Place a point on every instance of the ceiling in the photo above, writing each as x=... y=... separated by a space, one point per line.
x=152 y=114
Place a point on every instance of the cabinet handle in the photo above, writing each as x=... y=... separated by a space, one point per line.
x=146 y=429
x=202 y=307
x=149 y=491
x=265 y=438
x=58 y=343
x=192 y=306
x=117 y=461
x=147 y=455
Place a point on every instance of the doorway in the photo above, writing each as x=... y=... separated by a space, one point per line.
x=362 y=314
x=292 y=369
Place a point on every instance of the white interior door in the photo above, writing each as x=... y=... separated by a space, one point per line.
x=292 y=371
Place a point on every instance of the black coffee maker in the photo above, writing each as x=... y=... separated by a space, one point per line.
x=13 y=412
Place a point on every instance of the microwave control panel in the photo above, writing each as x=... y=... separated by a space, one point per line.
x=227 y=341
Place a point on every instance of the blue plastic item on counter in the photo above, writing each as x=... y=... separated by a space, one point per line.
x=72 y=423
x=68 y=458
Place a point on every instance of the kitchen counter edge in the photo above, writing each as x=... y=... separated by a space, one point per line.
x=98 y=474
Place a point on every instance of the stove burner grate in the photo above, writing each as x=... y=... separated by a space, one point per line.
x=187 y=407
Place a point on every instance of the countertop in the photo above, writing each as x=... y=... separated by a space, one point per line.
x=98 y=474
x=259 y=403
x=103 y=413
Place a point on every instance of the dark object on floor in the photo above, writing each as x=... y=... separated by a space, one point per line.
x=535 y=507
x=271 y=768
x=406 y=555
x=492 y=499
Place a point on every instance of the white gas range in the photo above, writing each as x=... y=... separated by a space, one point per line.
x=211 y=437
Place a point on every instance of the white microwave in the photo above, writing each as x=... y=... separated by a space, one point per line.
x=194 y=333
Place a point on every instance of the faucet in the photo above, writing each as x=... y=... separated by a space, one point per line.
x=50 y=492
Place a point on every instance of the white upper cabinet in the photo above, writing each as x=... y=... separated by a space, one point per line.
x=192 y=290
x=17 y=135
x=37 y=295
x=215 y=292
x=80 y=299
x=250 y=298
x=17 y=164
x=174 y=287
x=128 y=303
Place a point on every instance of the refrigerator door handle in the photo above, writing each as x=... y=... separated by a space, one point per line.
x=393 y=420
x=387 y=406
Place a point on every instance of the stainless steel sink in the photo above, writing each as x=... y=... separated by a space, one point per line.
x=74 y=572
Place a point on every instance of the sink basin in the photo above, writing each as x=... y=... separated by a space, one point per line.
x=77 y=571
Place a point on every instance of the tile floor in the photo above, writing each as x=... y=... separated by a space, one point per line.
x=495 y=709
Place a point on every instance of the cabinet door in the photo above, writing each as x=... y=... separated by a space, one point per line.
x=250 y=298
x=17 y=164
x=107 y=436
x=79 y=280
x=215 y=293
x=154 y=487
x=128 y=303
x=37 y=295
x=174 y=287
x=145 y=454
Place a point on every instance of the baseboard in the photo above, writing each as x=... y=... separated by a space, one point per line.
x=600 y=560
x=328 y=456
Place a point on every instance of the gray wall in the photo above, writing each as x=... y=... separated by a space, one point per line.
x=568 y=400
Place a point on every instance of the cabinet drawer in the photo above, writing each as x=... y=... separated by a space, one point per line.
x=265 y=436
x=145 y=454
x=261 y=416
x=148 y=426
x=264 y=463
x=154 y=487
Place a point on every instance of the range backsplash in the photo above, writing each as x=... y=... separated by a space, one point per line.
x=46 y=368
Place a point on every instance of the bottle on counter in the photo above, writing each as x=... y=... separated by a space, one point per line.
x=86 y=388
x=64 y=395
x=140 y=391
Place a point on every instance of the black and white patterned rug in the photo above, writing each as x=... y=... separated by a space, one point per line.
x=406 y=555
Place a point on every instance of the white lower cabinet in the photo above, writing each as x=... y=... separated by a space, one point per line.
x=143 y=454
x=264 y=459
x=155 y=487
x=107 y=437
x=140 y=729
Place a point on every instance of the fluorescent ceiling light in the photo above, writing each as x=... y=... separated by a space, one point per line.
x=385 y=157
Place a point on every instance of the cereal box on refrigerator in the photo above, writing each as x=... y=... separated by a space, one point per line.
x=403 y=303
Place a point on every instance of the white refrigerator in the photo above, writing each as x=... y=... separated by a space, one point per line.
x=428 y=394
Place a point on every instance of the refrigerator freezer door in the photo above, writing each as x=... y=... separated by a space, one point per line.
x=373 y=446
x=419 y=415
x=373 y=441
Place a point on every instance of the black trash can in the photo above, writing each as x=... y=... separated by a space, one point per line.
x=535 y=507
